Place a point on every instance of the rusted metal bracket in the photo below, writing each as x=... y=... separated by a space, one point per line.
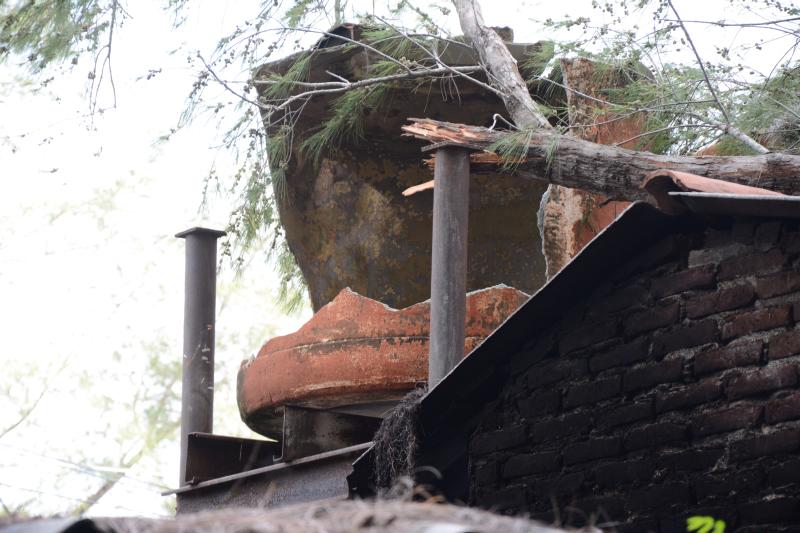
x=213 y=456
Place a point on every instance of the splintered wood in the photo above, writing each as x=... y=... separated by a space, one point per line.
x=614 y=172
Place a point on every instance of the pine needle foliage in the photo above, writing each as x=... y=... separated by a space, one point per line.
x=51 y=31
x=512 y=148
x=346 y=123
x=684 y=103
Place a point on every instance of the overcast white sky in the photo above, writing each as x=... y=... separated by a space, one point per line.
x=88 y=264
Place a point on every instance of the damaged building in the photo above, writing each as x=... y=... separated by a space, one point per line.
x=631 y=365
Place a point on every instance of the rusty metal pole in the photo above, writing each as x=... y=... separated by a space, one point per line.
x=448 y=261
x=199 y=321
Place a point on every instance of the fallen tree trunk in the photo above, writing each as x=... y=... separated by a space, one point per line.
x=612 y=171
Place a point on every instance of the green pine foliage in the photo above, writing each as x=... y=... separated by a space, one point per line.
x=680 y=105
x=47 y=32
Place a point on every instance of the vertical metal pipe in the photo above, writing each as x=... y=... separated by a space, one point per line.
x=448 y=261
x=199 y=321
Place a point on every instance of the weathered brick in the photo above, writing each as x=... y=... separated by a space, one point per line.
x=567 y=483
x=787 y=473
x=777 y=284
x=688 y=396
x=692 y=459
x=625 y=297
x=781 y=409
x=500 y=439
x=540 y=403
x=508 y=498
x=550 y=372
x=730 y=356
x=769 y=511
x=742 y=231
x=523 y=360
x=592 y=449
x=685 y=336
x=605 y=506
x=524 y=464
x=620 y=355
x=758 y=320
x=716 y=254
x=703 y=277
x=727 y=484
x=654 y=317
x=486 y=473
x=782 y=441
x=790 y=240
x=556 y=428
x=729 y=419
x=638 y=526
x=654 y=435
x=767 y=235
x=656 y=254
x=750 y=382
x=658 y=496
x=784 y=344
x=624 y=472
x=727 y=299
x=594 y=391
x=747 y=265
x=649 y=376
x=587 y=335
x=626 y=414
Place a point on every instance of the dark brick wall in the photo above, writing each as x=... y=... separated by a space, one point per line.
x=672 y=390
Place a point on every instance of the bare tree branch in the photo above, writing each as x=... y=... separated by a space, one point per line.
x=500 y=63
x=727 y=126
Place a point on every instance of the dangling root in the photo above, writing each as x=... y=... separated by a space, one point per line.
x=396 y=442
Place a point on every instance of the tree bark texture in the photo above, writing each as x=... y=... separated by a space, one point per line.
x=500 y=65
x=612 y=171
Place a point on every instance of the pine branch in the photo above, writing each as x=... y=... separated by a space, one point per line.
x=441 y=64
x=333 y=87
x=727 y=126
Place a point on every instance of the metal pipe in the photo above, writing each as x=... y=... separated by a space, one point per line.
x=448 y=261
x=199 y=317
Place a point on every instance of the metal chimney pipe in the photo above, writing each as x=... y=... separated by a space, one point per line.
x=448 y=261
x=199 y=322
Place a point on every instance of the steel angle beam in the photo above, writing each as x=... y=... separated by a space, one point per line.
x=212 y=456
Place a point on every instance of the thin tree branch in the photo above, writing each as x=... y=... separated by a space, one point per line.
x=700 y=63
x=661 y=130
x=724 y=24
x=337 y=87
x=727 y=126
x=441 y=64
x=362 y=44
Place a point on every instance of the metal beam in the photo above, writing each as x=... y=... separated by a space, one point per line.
x=308 y=432
x=199 y=317
x=448 y=261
